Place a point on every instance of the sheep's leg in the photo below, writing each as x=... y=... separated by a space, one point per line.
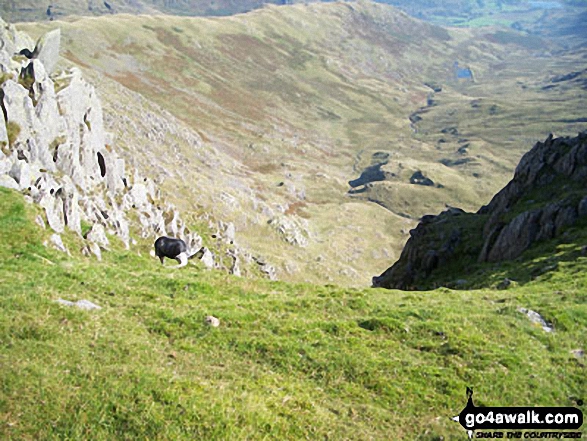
x=182 y=258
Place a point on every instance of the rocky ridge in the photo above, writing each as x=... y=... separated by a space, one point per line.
x=546 y=195
x=56 y=151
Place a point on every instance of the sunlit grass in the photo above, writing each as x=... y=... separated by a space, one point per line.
x=289 y=361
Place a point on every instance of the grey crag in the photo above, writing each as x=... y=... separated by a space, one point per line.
x=547 y=195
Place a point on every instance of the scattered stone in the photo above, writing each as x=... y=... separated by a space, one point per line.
x=81 y=304
x=212 y=321
x=537 y=319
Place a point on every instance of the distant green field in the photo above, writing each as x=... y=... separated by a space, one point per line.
x=287 y=362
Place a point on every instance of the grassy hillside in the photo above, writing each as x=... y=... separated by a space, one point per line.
x=289 y=361
x=288 y=104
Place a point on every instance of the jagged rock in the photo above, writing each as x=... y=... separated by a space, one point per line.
x=84 y=128
x=21 y=173
x=206 y=257
x=502 y=238
x=47 y=49
x=58 y=244
x=71 y=210
x=53 y=211
x=3 y=133
x=19 y=109
x=229 y=232
x=137 y=197
x=235 y=267
x=516 y=237
x=97 y=235
x=7 y=182
x=96 y=250
x=61 y=158
x=92 y=248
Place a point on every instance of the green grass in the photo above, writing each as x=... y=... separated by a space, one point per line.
x=287 y=362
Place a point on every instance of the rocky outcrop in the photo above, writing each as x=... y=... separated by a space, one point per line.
x=547 y=195
x=56 y=150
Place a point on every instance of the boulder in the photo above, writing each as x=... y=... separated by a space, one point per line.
x=7 y=182
x=97 y=235
x=21 y=173
x=47 y=49
x=58 y=244
x=53 y=211
x=206 y=257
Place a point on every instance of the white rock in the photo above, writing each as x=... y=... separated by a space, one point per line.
x=3 y=132
x=97 y=235
x=212 y=321
x=206 y=257
x=7 y=182
x=537 y=319
x=58 y=244
x=81 y=304
x=53 y=211
x=21 y=173
x=19 y=109
x=48 y=49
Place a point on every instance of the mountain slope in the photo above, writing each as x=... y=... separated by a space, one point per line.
x=294 y=102
x=287 y=361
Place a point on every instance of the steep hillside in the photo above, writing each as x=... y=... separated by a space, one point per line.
x=538 y=221
x=54 y=149
x=293 y=103
x=287 y=362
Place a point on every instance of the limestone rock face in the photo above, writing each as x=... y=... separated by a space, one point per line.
x=60 y=154
x=554 y=171
x=48 y=49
